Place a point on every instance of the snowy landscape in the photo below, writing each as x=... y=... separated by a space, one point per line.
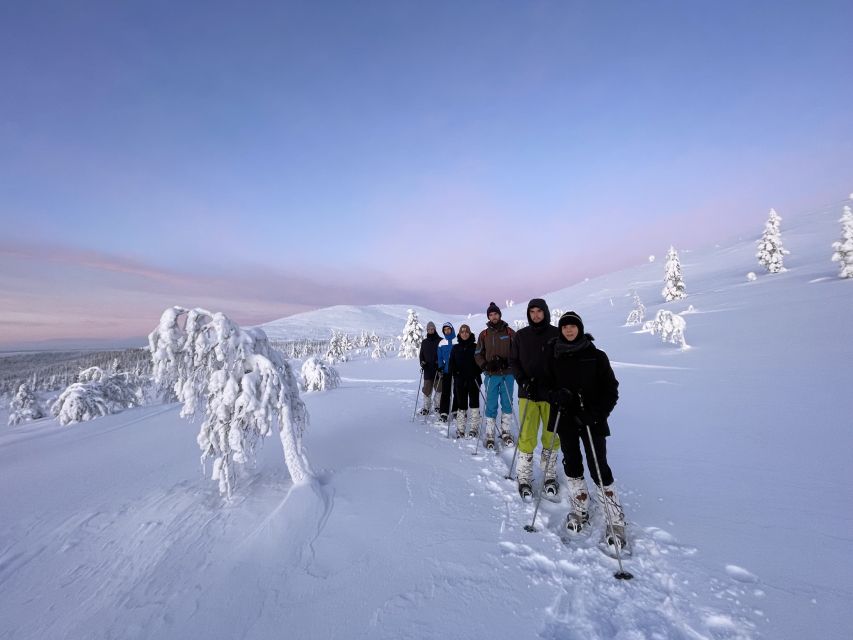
x=730 y=444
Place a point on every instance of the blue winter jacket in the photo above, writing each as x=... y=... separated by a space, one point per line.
x=444 y=347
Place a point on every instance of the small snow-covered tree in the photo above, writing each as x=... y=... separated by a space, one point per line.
x=669 y=326
x=336 y=351
x=97 y=393
x=318 y=375
x=363 y=340
x=24 y=406
x=637 y=314
x=519 y=324
x=673 y=283
x=413 y=335
x=378 y=352
x=844 y=248
x=243 y=386
x=555 y=316
x=770 y=252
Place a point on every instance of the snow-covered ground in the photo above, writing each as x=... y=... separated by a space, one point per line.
x=732 y=457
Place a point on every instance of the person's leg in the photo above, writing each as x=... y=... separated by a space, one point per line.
x=531 y=413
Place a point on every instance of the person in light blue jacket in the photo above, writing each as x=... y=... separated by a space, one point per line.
x=444 y=349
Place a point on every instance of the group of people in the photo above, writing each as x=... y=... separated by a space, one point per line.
x=566 y=388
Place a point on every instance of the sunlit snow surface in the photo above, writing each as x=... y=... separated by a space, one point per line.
x=732 y=459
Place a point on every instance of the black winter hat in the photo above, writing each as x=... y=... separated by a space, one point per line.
x=570 y=317
x=493 y=307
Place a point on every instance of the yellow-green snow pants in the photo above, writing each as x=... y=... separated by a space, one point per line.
x=534 y=414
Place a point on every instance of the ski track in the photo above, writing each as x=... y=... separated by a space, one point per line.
x=588 y=602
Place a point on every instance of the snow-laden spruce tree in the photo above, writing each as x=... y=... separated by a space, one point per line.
x=770 y=252
x=673 y=283
x=519 y=324
x=637 y=314
x=319 y=375
x=669 y=326
x=98 y=393
x=24 y=406
x=413 y=335
x=243 y=386
x=555 y=316
x=844 y=248
x=337 y=349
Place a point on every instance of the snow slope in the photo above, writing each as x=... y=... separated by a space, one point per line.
x=385 y=319
x=731 y=455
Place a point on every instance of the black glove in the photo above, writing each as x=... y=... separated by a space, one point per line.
x=528 y=388
x=563 y=398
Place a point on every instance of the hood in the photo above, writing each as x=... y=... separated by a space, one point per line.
x=452 y=331
x=539 y=302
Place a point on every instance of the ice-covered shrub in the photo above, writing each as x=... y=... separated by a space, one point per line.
x=668 y=326
x=24 y=406
x=337 y=349
x=97 y=393
x=637 y=314
x=318 y=375
x=243 y=386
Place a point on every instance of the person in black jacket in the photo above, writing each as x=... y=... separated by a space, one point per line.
x=528 y=362
x=429 y=366
x=585 y=391
x=466 y=382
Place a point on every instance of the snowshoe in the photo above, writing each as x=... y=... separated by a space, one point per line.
x=526 y=492
x=460 y=434
x=506 y=437
x=473 y=433
x=614 y=540
x=424 y=411
x=490 y=442
x=575 y=523
x=551 y=490
x=442 y=418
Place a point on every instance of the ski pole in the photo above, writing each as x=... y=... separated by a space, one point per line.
x=479 y=426
x=448 y=419
x=508 y=476
x=432 y=392
x=485 y=402
x=531 y=527
x=621 y=574
x=420 y=380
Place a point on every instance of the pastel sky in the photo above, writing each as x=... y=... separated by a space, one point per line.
x=267 y=158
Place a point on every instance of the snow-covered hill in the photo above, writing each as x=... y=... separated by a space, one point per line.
x=385 y=319
x=732 y=457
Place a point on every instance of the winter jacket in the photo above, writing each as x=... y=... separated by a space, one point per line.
x=445 y=347
x=429 y=355
x=587 y=373
x=528 y=355
x=493 y=348
x=462 y=365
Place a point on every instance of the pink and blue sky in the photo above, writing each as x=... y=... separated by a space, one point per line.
x=274 y=157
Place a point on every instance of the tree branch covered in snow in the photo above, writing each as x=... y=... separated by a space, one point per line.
x=243 y=386
x=24 y=406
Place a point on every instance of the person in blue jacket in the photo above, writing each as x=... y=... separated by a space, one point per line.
x=444 y=349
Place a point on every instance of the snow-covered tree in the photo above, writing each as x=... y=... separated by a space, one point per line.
x=555 y=316
x=844 y=248
x=637 y=314
x=378 y=352
x=337 y=349
x=318 y=375
x=413 y=335
x=243 y=386
x=24 y=406
x=770 y=252
x=363 y=340
x=673 y=283
x=97 y=393
x=519 y=324
x=669 y=326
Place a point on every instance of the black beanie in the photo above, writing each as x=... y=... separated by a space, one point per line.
x=493 y=307
x=570 y=317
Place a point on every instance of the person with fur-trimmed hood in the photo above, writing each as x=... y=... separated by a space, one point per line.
x=528 y=362
x=445 y=346
x=585 y=391
x=466 y=383
x=429 y=366
x=492 y=356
